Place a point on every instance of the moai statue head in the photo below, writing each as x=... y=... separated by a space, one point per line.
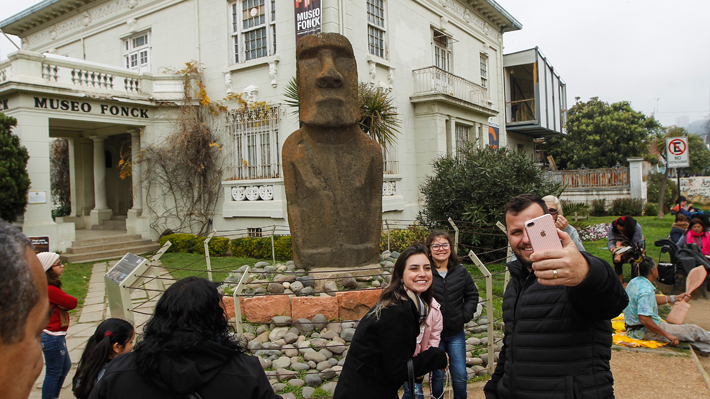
x=327 y=81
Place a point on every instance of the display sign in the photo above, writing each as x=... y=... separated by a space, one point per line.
x=308 y=18
x=493 y=135
x=37 y=197
x=40 y=244
x=677 y=150
x=124 y=268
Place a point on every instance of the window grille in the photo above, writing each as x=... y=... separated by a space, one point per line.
x=389 y=160
x=254 y=232
x=253 y=33
x=255 y=137
x=376 y=27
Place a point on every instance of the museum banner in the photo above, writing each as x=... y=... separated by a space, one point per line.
x=308 y=18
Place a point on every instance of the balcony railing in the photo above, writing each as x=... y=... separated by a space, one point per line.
x=80 y=75
x=521 y=110
x=436 y=80
x=603 y=177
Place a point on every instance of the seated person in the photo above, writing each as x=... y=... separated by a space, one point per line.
x=679 y=228
x=641 y=314
x=554 y=208
x=689 y=211
x=697 y=234
x=624 y=231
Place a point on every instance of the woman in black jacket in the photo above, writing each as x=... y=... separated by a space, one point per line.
x=457 y=294
x=186 y=351
x=385 y=339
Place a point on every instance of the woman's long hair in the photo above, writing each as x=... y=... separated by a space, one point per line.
x=695 y=221
x=396 y=291
x=453 y=257
x=98 y=351
x=189 y=312
x=629 y=225
x=52 y=278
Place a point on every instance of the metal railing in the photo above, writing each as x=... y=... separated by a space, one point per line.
x=603 y=177
x=521 y=110
x=436 y=80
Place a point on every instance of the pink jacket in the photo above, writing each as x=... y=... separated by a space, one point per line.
x=431 y=336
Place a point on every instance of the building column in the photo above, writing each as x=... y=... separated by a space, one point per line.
x=636 y=183
x=72 y=177
x=136 y=171
x=101 y=211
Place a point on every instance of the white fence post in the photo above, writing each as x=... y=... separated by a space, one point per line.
x=207 y=254
x=489 y=308
x=237 y=309
x=456 y=234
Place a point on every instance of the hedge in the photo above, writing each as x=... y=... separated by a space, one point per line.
x=191 y=243
x=260 y=247
x=400 y=239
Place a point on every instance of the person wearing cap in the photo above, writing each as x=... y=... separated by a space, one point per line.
x=641 y=315
x=54 y=342
x=554 y=208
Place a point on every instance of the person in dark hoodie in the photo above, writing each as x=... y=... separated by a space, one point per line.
x=679 y=228
x=186 y=351
x=623 y=232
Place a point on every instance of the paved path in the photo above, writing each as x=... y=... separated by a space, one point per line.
x=95 y=310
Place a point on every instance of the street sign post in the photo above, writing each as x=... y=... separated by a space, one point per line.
x=677 y=149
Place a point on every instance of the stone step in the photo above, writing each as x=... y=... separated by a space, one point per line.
x=106 y=239
x=119 y=217
x=116 y=244
x=117 y=225
x=109 y=254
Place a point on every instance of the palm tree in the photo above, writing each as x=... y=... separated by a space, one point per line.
x=379 y=117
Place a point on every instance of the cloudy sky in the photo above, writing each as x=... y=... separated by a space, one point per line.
x=653 y=53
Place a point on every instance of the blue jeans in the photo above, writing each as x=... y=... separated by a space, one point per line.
x=56 y=358
x=418 y=391
x=455 y=347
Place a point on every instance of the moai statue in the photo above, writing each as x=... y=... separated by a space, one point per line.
x=332 y=169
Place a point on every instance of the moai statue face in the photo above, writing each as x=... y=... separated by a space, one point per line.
x=327 y=81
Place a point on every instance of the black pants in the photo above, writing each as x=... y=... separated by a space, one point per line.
x=619 y=268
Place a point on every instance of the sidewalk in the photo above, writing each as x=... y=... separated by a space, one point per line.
x=95 y=310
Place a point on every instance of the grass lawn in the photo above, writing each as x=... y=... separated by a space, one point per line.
x=75 y=282
x=195 y=265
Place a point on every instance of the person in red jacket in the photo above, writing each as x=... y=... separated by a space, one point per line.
x=54 y=342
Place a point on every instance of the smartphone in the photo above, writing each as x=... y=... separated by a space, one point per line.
x=543 y=233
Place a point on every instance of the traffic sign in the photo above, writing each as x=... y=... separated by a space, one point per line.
x=677 y=150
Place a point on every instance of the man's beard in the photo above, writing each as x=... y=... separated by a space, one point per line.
x=527 y=264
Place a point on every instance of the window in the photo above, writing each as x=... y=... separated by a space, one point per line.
x=442 y=52
x=136 y=54
x=484 y=70
x=253 y=29
x=462 y=136
x=254 y=232
x=255 y=143
x=376 y=27
x=389 y=160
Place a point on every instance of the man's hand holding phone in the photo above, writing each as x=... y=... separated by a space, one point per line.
x=564 y=266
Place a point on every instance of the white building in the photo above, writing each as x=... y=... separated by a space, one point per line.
x=92 y=71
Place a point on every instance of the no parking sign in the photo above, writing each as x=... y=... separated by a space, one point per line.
x=677 y=149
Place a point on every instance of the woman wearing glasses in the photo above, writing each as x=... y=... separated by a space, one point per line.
x=457 y=294
x=54 y=336
x=554 y=208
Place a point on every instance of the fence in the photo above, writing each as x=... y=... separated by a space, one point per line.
x=588 y=178
x=487 y=325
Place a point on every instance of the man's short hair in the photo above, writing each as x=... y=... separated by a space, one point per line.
x=521 y=202
x=646 y=266
x=18 y=289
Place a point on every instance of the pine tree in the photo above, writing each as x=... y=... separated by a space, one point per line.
x=14 y=180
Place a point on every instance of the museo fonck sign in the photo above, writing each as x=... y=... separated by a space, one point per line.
x=85 y=107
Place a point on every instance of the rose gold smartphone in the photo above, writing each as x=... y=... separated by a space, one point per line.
x=543 y=233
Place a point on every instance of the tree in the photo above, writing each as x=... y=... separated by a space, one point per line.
x=698 y=156
x=14 y=180
x=601 y=135
x=59 y=176
x=474 y=187
x=379 y=117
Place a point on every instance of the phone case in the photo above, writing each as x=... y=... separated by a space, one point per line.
x=543 y=233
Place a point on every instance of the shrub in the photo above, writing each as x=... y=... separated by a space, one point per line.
x=282 y=247
x=181 y=242
x=598 y=207
x=400 y=239
x=474 y=187
x=258 y=247
x=650 y=209
x=626 y=206
x=653 y=189
x=569 y=208
x=218 y=245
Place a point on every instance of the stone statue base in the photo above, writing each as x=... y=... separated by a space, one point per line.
x=323 y=274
